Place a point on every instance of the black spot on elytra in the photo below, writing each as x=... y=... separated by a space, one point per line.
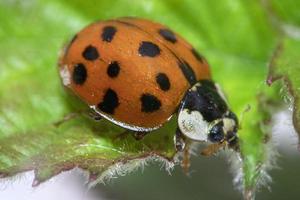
x=163 y=81
x=149 y=49
x=168 y=35
x=197 y=55
x=187 y=72
x=79 y=74
x=113 y=69
x=110 y=102
x=90 y=53
x=108 y=33
x=150 y=103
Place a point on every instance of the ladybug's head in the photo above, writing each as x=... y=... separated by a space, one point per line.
x=204 y=115
x=224 y=129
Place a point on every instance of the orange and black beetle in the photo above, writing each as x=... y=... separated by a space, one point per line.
x=137 y=73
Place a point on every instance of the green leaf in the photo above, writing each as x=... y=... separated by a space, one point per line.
x=285 y=62
x=32 y=100
x=287 y=11
x=235 y=36
x=286 y=66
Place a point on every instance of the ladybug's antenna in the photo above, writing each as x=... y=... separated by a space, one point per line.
x=246 y=109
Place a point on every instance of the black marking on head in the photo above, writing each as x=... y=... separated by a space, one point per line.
x=90 y=53
x=167 y=35
x=149 y=49
x=206 y=100
x=187 y=72
x=79 y=75
x=163 y=81
x=197 y=55
x=70 y=43
x=113 y=69
x=231 y=135
x=233 y=142
x=208 y=83
x=150 y=103
x=110 y=102
x=216 y=133
x=108 y=33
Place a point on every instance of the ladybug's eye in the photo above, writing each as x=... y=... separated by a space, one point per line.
x=216 y=133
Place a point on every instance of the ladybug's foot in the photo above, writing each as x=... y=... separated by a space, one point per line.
x=95 y=116
x=139 y=135
x=179 y=140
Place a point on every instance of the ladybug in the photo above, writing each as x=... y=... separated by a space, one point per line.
x=137 y=73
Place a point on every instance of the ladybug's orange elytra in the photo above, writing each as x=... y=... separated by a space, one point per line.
x=138 y=73
x=132 y=70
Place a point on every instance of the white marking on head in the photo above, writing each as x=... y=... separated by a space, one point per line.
x=229 y=124
x=221 y=93
x=194 y=88
x=192 y=125
x=65 y=75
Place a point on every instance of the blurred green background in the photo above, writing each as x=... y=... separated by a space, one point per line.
x=237 y=38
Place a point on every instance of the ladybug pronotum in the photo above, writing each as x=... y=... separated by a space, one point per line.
x=137 y=73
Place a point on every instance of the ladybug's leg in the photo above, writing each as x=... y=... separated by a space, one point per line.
x=122 y=135
x=179 y=140
x=139 y=135
x=73 y=115
x=186 y=158
x=213 y=148
x=66 y=118
x=183 y=146
x=95 y=116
